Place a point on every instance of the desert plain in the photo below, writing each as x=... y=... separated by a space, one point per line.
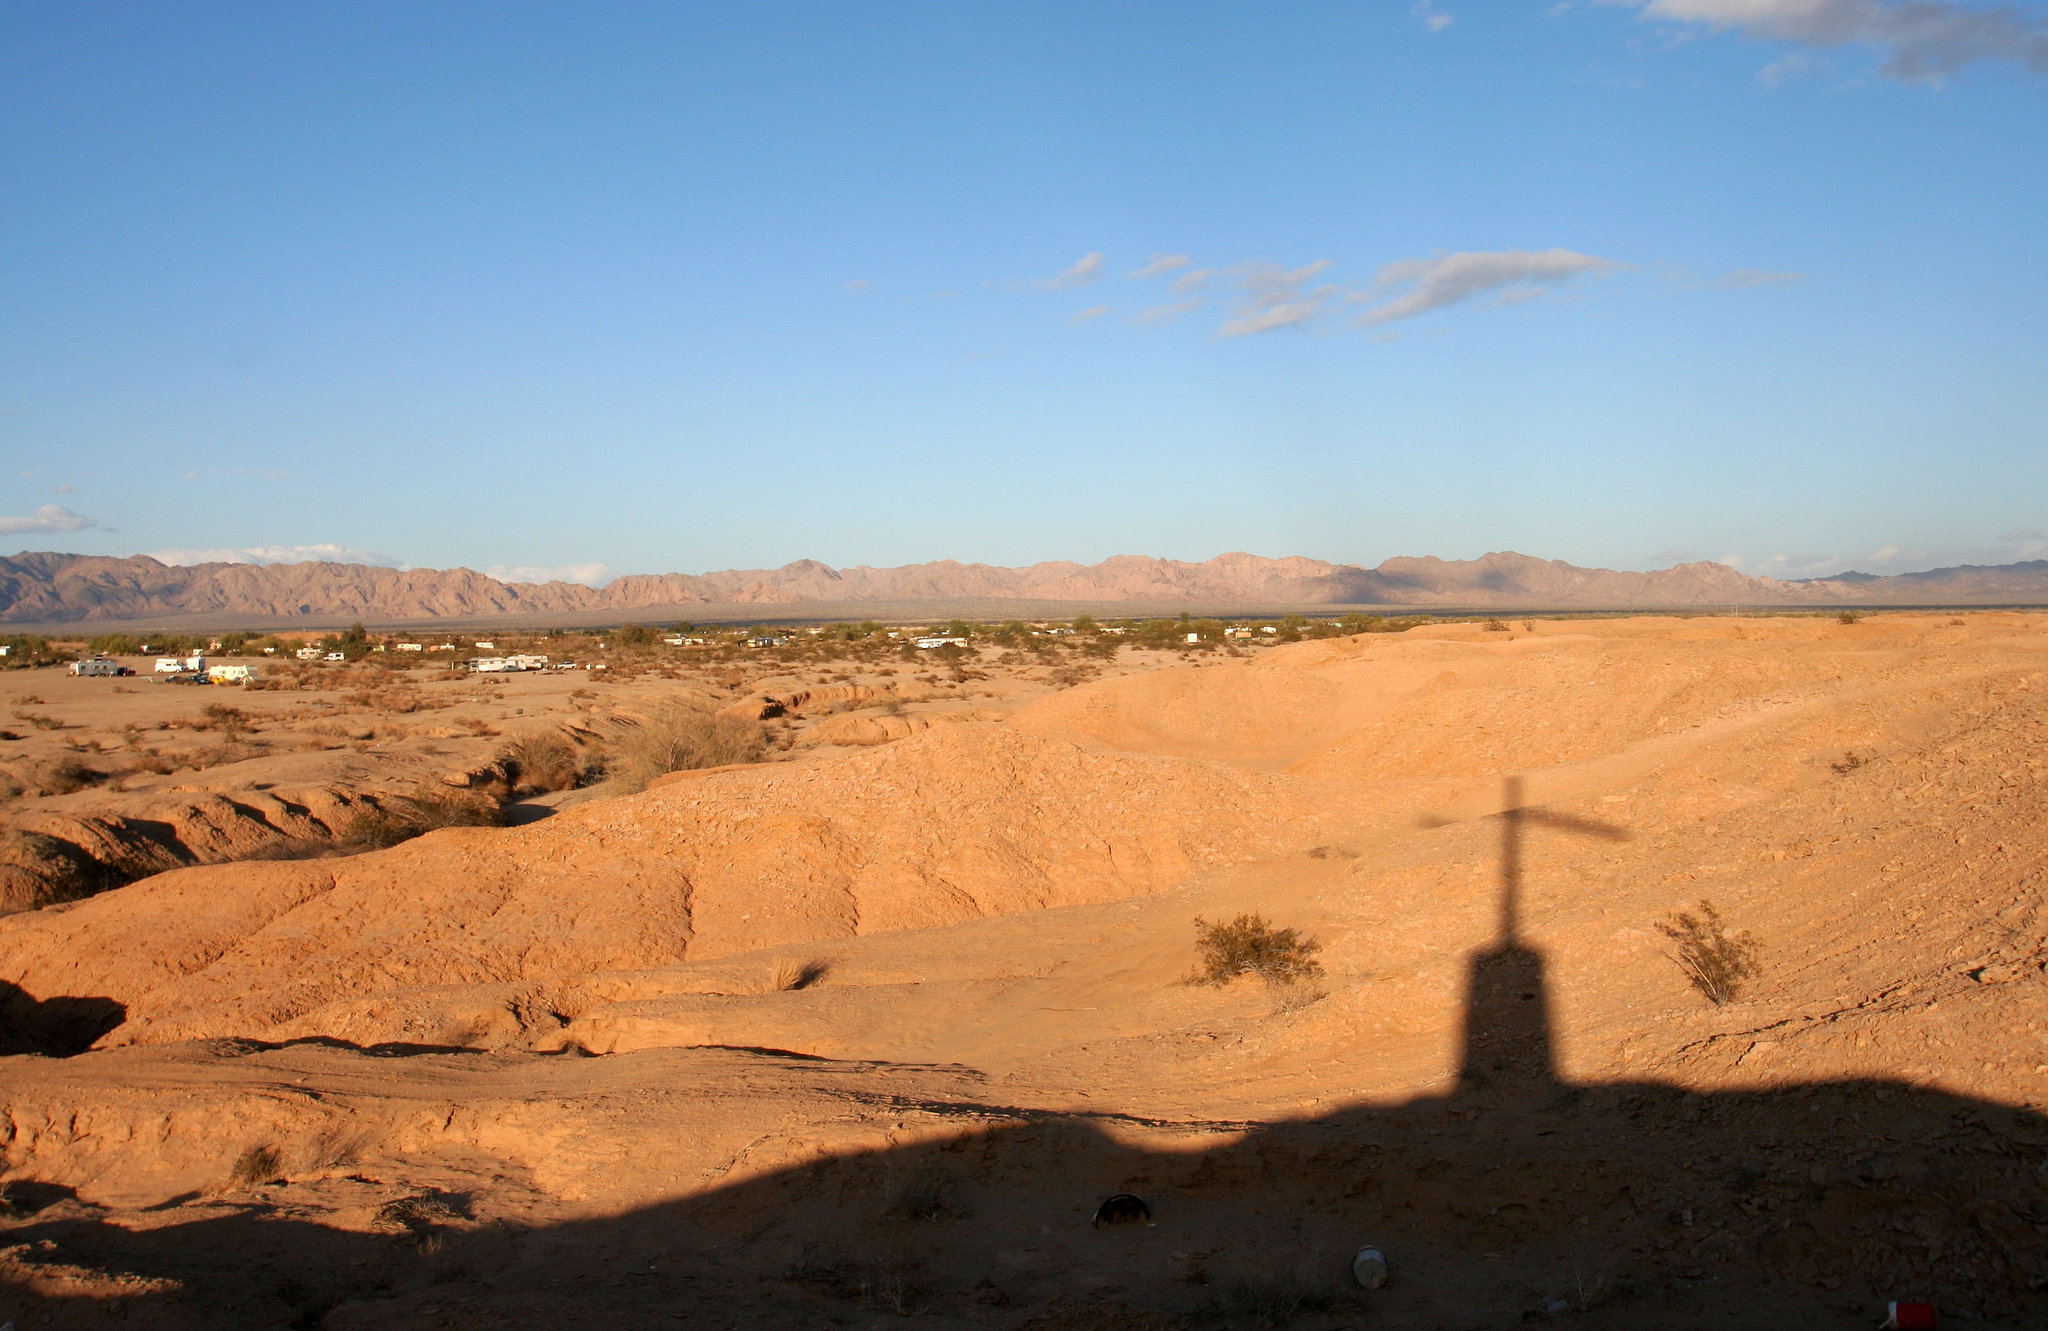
x=864 y=1032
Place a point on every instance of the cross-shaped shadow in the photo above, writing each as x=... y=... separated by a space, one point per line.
x=1507 y=1043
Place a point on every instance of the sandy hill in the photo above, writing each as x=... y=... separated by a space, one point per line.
x=58 y=589
x=462 y=1077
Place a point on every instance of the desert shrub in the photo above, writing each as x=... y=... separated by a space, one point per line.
x=543 y=762
x=258 y=1164
x=1279 y=1291
x=1714 y=961
x=40 y=720
x=1249 y=946
x=1291 y=996
x=61 y=776
x=678 y=738
x=792 y=974
x=150 y=761
x=1272 y=1302
x=378 y=826
x=423 y=1212
x=927 y=1193
x=232 y=721
x=1496 y=626
x=1849 y=617
x=892 y=1286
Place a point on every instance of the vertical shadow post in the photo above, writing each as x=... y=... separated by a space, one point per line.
x=1507 y=1046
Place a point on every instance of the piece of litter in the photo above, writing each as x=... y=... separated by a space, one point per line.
x=1908 y=1316
x=1122 y=1209
x=1369 y=1268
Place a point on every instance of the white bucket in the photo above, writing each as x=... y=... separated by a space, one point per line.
x=1369 y=1268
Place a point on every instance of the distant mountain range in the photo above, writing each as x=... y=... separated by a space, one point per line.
x=51 y=590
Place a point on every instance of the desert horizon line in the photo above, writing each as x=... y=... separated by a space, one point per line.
x=547 y=575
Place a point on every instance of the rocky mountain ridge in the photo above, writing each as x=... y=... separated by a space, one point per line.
x=50 y=589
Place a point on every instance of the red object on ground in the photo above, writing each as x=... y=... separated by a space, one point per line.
x=1910 y=1317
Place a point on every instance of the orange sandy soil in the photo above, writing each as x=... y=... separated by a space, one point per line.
x=160 y=779
x=553 y=1074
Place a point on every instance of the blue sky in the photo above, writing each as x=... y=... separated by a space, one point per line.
x=586 y=290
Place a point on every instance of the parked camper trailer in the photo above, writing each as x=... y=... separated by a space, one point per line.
x=98 y=665
x=230 y=674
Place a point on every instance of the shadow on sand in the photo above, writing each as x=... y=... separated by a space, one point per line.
x=1517 y=1198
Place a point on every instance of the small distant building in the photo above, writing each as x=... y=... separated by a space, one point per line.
x=98 y=665
x=928 y=644
x=1269 y=629
x=1194 y=638
x=408 y=647
x=1237 y=631
x=307 y=653
x=230 y=674
x=442 y=647
x=335 y=656
x=764 y=641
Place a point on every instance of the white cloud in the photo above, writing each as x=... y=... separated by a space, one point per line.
x=1417 y=286
x=51 y=518
x=1788 y=68
x=1759 y=277
x=590 y=575
x=1432 y=18
x=1086 y=269
x=1167 y=313
x=67 y=489
x=1921 y=39
x=1786 y=566
x=857 y=286
x=1275 y=297
x=1160 y=263
x=1264 y=296
x=324 y=552
x=1892 y=558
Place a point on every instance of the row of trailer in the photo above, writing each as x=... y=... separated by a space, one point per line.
x=190 y=668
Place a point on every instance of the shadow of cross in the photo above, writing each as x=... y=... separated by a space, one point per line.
x=1507 y=1045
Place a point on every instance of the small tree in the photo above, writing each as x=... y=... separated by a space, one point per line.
x=1714 y=961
